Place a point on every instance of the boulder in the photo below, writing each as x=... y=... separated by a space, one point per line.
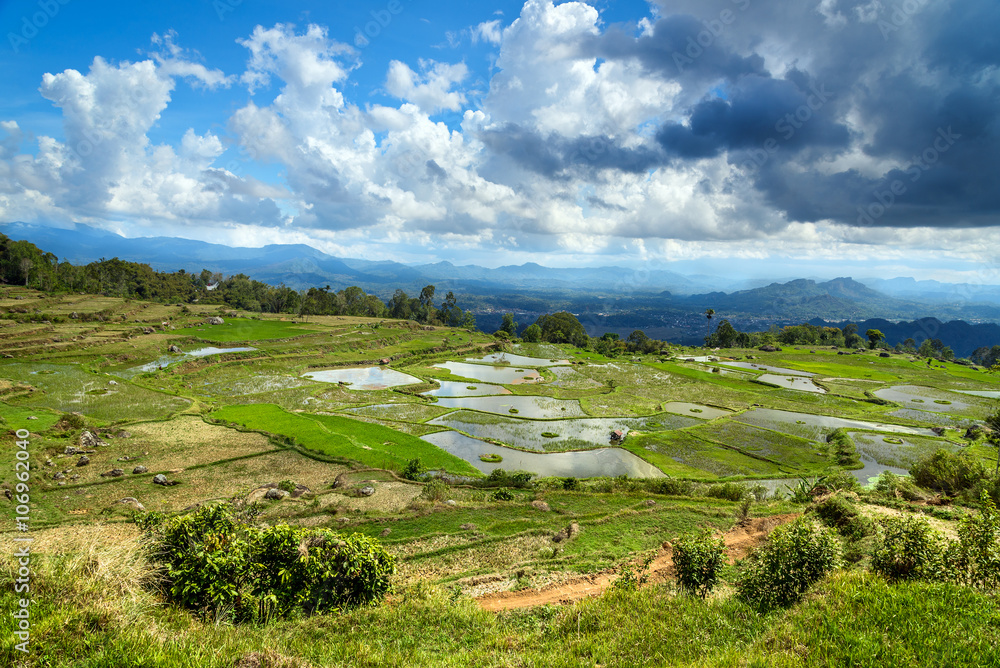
x=173 y=349
x=216 y=320
x=649 y=503
x=58 y=475
x=367 y=490
x=74 y=315
x=70 y=450
x=133 y=503
x=769 y=349
x=884 y=355
x=160 y=479
x=385 y=532
x=275 y=494
x=468 y=527
x=113 y=473
x=567 y=533
x=83 y=461
x=89 y=439
x=139 y=469
x=148 y=330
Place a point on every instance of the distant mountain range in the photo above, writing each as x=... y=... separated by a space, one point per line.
x=663 y=303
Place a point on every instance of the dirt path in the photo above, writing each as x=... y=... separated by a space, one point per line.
x=738 y=540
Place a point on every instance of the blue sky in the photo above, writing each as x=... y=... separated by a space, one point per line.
x=756 y=135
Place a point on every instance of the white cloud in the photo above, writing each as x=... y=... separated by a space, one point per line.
x=431 y=90
x=488 y=31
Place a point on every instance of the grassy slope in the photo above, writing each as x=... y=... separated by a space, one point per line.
x=337 y=436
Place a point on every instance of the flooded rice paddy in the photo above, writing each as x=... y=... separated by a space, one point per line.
x=369 y=378
x=450 y=388
x=522 y=406
x=503 y=375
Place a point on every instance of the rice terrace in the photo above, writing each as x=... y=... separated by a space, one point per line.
x=483 y=499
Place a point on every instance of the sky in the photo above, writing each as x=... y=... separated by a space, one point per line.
x=764 y=137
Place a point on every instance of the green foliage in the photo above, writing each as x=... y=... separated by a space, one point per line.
x=533 y=333
x=892 y=486
x=570 y=484
x=910 y=549
x=976 y=558
x=731 y=491
x=947 y=472
x=287 y=485
x=843 y=449
x=413 y=469
x=221 y=567
x=435 y=490
x=793 y=558
x=699 y=559
x=840 y=513
x=631 y=577
x=563 y=327
x=875 y=337
x=502 y=478
x=502 y=494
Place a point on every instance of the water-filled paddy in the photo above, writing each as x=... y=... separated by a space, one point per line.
x=515 y=360
x=801 y=383
x=694 y=410
x=583 y=464
x=370 y=378
x=923 y=398
x=569 y=434
x=988 y=394
x=522 y=406
x=764 y=367
x=879 y=451
x=173 y=358
x=504 y=375
x=817 y=427
x=450 y=388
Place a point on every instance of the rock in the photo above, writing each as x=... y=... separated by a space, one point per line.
x=842 y=352
x=770 y=349
x=133 y=503
x=89 y=439
x=300 y=490
x=938 y=430
x=139 y=469
x=74 y=315
x=160 y=479
x=70 y=450
x=112 y=382
x=216 y=320
x=59 y=475
x=113 y=473
x=75 y=476
x=566 y=534
x=126 y=458
x=83 y=461
x=148 y=330
x=123 y=434
x=451 y=502
x=540 y=505
x=367 y=490
x=48 y=462
x=32 y=417
x=468 y=527
x=649 y=503
x=385 y=532
x=276 y=494
x=164 y=324
x=884 y=355
x=174 y=349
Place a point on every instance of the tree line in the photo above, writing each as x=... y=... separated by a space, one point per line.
x=22 y=263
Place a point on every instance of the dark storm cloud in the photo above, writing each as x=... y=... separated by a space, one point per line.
x=913 y=84
x=557 y=157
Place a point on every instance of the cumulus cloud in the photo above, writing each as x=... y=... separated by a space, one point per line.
x=707 y=123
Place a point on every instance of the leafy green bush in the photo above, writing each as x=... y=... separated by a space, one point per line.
x=838 y=512
x=893 y=486
x=699 y=559
x=842 y=480
x=794 y=557
x=413 y=469
x=435 y=490
x=287 y=485
x=947 y=472
x=501 y=478
x=910 y=549
x=570 y=484
x=976 y=558
x=671 y=486
x=502 y=494
x=842 y=448
x=221 y=567
x=731 y=491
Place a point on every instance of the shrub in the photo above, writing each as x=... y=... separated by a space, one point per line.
x=731 y=491
x=948 y=473
x=435 y=490
x=287 y=485
x=837 y=512
x=794 y=557
x=843 y=449
x=842 y=480
x=699 y=558
x=671 y=486
x=413 y=469
x=221 y=567
x=909 y=549
x=502 y=494
x=976 y=558
x=570 y=484
x=893 y=486
x=501 y=478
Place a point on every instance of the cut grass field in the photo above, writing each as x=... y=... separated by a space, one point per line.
x=338 y=436
x=244 y=329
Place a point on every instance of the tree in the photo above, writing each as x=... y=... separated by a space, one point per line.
x=993 y=422
x=874 y=337
x=508 y=324
x=533 y=334
x=563 y=327
x=708 y=314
